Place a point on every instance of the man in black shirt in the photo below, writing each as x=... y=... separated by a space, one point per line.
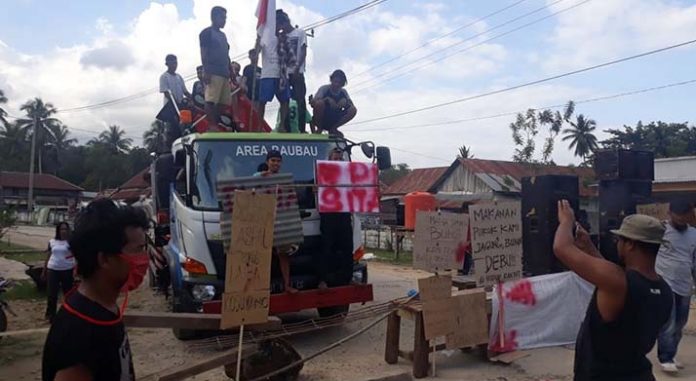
x=252 y=77
x=630 y=303
x=215 y=57
x=88 y=341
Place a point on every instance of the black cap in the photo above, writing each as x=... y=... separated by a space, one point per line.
x=273 y=153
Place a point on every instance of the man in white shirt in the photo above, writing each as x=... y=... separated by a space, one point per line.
x=297 y=40
x=171 y=81
x=675 y=264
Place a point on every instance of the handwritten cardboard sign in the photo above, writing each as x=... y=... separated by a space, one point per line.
x=435 y=287
x=438 y=313
x=248 y=267
x=346 y=187
x=440 y=240
x=659 y=210
x=496 y=238
x=470 y=319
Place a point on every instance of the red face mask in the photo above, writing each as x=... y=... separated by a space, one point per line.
x=137 y=267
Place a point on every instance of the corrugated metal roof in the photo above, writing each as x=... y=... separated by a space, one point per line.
x=41 y=181
x=418 y=180
x=506 y=176
x=288 y=225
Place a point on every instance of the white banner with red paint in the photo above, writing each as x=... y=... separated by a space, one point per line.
x=346 y=187
x=541 y=311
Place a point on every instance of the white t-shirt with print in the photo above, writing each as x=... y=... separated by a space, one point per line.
x=270 y=61
x=297 y=39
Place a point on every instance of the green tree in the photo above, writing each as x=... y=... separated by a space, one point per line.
x=465 y=152
x=155 y=138
x=14 y=139
x=581 y=136
x=662 y=138
x=3 y=113
x=42 y=113
x=115 y=139
x=394 y=173
x=59 y=144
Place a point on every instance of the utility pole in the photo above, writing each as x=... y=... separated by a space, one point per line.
x=30 y=201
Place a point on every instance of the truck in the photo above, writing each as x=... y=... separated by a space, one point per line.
x=187 y=233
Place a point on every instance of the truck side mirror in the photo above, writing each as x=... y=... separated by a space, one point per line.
x=368 y=149
x=383 y=158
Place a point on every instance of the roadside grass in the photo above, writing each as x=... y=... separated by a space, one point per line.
x=405 y=257
x=23 y=290
x=21 y=253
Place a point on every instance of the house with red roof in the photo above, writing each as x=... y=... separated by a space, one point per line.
x=59 y=197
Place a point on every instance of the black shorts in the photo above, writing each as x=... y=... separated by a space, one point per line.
x=331 y=117
x=298 y=87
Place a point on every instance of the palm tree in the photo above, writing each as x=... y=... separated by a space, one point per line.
x=14 y=137
x=581 y=136
x=42 y=112
x=60 y=141
x=115 y=139
x=465 y=152
x=3 y=113
x=155 y=138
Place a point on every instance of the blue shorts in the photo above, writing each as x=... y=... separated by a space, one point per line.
x=269 y=88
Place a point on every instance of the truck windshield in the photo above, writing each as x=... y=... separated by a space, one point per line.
x=223 y=160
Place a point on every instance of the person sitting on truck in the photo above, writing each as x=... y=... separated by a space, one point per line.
x=332 y=105
x=88 y=340
x=274 y=160
x=198 y=89
x=335 y=263
x=216 y=66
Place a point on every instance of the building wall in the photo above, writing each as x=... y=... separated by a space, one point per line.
x=461 y=180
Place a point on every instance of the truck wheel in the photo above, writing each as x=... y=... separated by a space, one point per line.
x=326 y=312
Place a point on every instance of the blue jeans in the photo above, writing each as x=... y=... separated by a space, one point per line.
x=671 y=333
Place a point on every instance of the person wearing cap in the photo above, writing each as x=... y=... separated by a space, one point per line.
x=332 y=105
x=630 y=304
x=274 y=160
x=171 y=81
x=675 y=263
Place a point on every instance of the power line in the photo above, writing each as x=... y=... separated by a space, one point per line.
x=527 y=84
x=465 y=26
x=508 y=22
x=154 y=90
x=512 y=113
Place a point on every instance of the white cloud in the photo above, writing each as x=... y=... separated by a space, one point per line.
x=115 y=55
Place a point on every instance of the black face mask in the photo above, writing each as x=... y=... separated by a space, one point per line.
x=680 y=227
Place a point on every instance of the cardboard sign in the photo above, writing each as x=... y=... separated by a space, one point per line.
x=346 y=187
x=496 y=238
x=470 y=320
x=659 y=211
x=435 y=287
x=438 y=317
x=248 y=268
x=440 y=240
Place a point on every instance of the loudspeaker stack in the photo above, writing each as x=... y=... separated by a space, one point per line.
x=625 y=180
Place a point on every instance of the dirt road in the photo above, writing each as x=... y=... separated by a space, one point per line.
x=360 y=359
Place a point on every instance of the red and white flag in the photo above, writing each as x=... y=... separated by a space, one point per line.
x=266 y=26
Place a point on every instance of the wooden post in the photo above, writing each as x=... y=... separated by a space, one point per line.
x=421 y=349
x=391 y=350
x=239 y=353
x=501 y=316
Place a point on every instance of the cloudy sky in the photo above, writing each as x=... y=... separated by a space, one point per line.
x=399 y=56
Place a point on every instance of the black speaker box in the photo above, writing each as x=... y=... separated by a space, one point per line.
x=624 y=164
x=618 y=199
x=540 y=196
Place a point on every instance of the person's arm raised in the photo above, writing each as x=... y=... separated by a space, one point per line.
x=608 y=277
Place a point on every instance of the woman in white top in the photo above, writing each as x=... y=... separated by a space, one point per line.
x=58 y=269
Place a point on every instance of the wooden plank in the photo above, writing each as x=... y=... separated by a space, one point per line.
x=439 y=317
x=420 y=349
x=198 y=367
x=471 y=322
x=391 y=349
x=143 y=319
x=435 y=287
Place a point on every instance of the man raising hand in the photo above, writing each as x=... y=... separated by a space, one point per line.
x=630 y=303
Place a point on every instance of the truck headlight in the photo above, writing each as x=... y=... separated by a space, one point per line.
x=203 y=292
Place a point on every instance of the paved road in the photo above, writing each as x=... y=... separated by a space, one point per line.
x=35 y=237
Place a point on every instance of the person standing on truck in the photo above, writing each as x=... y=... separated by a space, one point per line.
x=332 y=105
x=275 y=59
x=675 y=263
x=58 y=268
x=335 y=263
x=87 y=340
x=274 y=160
x=252 y=78
x=171 y=82
x=215 y=57
x=198 y=89
x=630 y=304
x=297 y=39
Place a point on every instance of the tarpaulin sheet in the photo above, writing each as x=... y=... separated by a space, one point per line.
x=540 y=311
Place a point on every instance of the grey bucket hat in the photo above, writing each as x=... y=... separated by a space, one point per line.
x=639 y=227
